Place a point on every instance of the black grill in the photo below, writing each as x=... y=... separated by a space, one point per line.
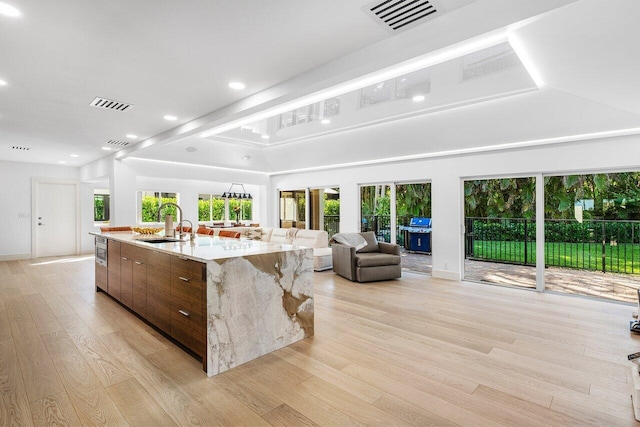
x=419 y=230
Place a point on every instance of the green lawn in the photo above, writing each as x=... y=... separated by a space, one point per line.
x=623 y=258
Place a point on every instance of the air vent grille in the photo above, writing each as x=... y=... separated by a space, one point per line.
x=109 y=104
x=17 y=147
x=118 y=143
x=396 y=15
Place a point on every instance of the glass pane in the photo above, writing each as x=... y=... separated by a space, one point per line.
x=592 y=235
x=375 y=212
x=414 y=201
x=292 y=209
x=217 y=208
x=500 y=231
x=324 y=210
x=204 y=207
x=101 y=207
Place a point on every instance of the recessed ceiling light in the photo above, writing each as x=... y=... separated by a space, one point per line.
x=131 y=136
x=265 y=137
x=106 y=148
x=191 y=149
x=170 y=118
x=247 y=157
x=74 y=155
x=418 y=98
x=3 y=83
x=237 y=85
x=9 y=10
x=325 y=121
x=62 y=162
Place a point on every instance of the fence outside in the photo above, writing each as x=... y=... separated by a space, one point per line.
x=381 y=226
x=600 y=245
x=331 y=224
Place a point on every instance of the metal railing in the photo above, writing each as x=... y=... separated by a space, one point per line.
x=332 y=224
x=597 y=245
x=381 y=225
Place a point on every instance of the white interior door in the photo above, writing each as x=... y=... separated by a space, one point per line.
x=56 y=219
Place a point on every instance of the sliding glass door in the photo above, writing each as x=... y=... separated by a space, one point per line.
x=500 y=231
x=311 y=208
x=592 y=235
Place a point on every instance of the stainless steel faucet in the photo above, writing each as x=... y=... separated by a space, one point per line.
x=193 y=230
x=182 y=233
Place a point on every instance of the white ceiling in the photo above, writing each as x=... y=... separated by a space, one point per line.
x=169 y=57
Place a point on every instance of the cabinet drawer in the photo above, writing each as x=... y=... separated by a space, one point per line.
x=187 y=327
x=187 y=293
x=134 y=253
x=182 y=267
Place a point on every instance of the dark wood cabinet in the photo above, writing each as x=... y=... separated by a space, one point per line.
x=159 y=290
x=113 y=269
x=133 y=277
x=126 y=276
x=101 y=277
x=168 y=291
x=139 y=303
x=188 y=290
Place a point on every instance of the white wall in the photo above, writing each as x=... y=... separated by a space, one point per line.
x=446 y=175
x=127 y=177
x=15 y=205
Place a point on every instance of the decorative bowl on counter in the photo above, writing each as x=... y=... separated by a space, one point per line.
x=147 y=230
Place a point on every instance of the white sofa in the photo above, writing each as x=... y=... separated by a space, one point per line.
x=316 y=239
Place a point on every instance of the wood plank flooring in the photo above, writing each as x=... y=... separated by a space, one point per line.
x=415 y=351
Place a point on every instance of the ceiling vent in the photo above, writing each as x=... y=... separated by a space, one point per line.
x=108 y=104
x=118 y=143
x=17 y=147
x=399 y=15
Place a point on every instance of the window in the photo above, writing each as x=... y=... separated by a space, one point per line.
x=240 y=209
x=293 y=209
x=101 y=205
x=150 y=201
x=210 y=207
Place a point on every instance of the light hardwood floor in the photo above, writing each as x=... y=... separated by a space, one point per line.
x=415 y=351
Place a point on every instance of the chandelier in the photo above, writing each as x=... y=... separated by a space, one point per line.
x=236 y=195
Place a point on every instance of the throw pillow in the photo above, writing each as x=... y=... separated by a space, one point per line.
x=254 y=233
x=372 y=242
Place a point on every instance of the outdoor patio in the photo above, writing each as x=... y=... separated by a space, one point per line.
x=618 y=287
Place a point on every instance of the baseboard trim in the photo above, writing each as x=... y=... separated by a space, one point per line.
x=14 y=257
x=447 y=275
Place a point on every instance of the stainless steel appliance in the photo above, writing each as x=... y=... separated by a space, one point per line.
x=101 y=250
x=419 y=231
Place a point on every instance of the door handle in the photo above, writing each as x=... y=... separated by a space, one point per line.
x=138 y=262
x=184 y=313
x=184 y=279
x=40 y=223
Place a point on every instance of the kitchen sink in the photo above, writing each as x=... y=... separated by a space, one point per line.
x=158 y=239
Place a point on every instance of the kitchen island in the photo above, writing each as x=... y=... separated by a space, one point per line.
x=225 y=300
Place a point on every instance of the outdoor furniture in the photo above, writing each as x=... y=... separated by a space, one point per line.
x=365 y=262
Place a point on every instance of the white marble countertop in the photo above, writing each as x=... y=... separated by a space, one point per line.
x=203 y=248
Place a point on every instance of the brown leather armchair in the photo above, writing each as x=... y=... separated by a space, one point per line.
x=376 y=261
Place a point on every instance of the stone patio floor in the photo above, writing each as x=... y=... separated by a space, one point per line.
x=618 y=287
